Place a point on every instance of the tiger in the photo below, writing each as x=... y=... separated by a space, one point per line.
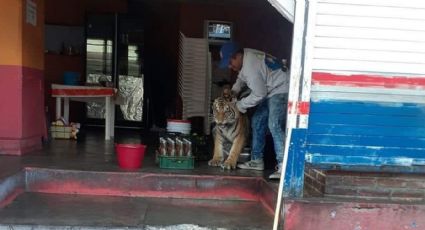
x=231 y=126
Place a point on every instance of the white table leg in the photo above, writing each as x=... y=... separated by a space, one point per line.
x=107 y=118
x=58 y=107
x=112 y=117
x=66 y=109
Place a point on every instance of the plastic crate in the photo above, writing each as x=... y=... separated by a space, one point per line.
x=176 y=162
x=61 y=132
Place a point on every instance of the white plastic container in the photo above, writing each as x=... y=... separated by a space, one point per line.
x=178 y=126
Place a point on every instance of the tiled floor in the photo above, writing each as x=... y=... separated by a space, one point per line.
x=95 y=154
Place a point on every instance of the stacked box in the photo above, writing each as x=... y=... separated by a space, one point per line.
x=61 y=132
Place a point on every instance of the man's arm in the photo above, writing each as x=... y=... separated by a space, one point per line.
x=236 y=88
x=258 y=92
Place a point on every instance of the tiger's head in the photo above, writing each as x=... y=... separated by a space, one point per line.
x=225 y=112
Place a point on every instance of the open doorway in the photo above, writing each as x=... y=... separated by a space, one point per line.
x=253 y=24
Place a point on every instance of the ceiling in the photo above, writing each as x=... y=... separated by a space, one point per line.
x=210 y=2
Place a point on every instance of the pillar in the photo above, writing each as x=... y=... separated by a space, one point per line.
x=22 y=120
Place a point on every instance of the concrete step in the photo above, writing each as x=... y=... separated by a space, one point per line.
x=39 y=198
x=61 y=211
x=350 y=214
x=384 y=186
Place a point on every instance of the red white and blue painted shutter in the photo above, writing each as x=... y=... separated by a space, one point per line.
x=365 y=64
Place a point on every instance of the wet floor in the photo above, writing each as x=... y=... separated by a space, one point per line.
x=91 y=152
x=35 y=210
x=61 y=211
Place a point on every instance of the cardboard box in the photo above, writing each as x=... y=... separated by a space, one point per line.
x=60 y=132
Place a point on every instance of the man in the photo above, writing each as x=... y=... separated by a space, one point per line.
x=269 y=86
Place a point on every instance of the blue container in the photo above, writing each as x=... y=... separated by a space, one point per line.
x=71 y=78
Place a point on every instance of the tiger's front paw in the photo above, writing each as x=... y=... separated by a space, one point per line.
x=229 y=164
x=214 y=162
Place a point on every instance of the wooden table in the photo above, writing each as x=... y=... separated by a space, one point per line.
x=86 y=94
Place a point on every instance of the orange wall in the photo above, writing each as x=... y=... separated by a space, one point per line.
x=11 y=34
x=21 y=44
x=21 y=70
x=33 y=39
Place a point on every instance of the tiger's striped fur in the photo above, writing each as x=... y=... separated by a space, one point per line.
x=231 y=126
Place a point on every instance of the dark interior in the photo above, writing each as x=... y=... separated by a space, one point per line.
x=256 y=24
x=153 y=28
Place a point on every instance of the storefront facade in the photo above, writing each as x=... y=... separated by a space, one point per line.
x=357 y=87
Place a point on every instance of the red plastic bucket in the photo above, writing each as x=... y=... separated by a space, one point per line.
x=130 y=156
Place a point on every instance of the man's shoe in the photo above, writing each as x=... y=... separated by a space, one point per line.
x=253 y=165
x=276 y=175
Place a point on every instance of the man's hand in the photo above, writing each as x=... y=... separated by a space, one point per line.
x=228 y=95
x=238 y=106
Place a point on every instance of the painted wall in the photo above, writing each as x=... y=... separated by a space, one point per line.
x=10 y=103
x=367 y=83
x=11 y=21
x=33 y=39
x=257 y=26
x=10 y=74
x=382 y=37
x=33 y=120
x=305 y=215
x=21 y=72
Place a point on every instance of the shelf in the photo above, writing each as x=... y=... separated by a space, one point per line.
x=64 y=55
